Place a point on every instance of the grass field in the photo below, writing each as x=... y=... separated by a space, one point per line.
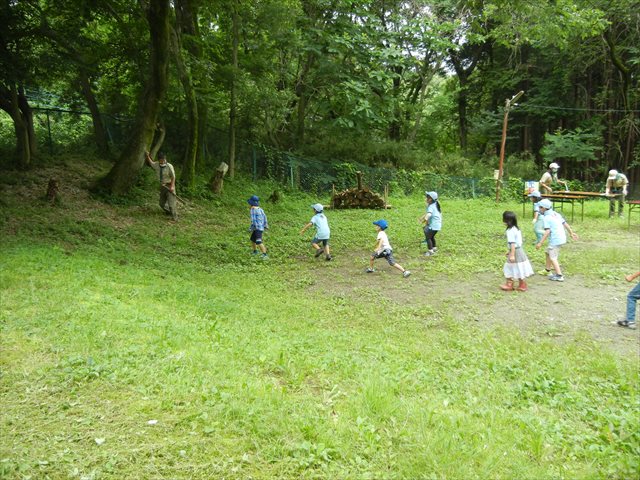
x=133 y=347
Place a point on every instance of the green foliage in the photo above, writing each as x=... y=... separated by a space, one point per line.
x=121 y=329
x=576 y=145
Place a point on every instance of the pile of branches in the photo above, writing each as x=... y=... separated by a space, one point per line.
x=357 y=198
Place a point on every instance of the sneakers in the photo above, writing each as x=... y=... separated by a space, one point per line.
x=406 y=273
x=255 y=252
x=264 y=256
x=556 y=278
x=430 y=253
x=329 y=258
x=369 y=270
x=319 y=252
x=626 y=324
x=544 y=272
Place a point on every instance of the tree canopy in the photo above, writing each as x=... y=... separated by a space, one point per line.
x=385 y=83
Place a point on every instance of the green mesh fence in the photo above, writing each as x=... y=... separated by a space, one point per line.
x=320 y=178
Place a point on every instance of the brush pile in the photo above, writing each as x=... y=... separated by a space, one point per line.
x=358 y=197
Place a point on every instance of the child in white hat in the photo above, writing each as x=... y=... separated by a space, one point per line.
x=432 y=220
x=554 y=229
x=323 y=233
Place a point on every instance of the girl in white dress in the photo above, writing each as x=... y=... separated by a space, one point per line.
x=517 y=266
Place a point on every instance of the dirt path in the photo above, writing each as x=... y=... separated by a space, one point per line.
x=578 y=307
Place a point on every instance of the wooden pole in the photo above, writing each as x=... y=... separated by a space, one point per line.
x=502 y=145
x=507 y=106
x=359 y=179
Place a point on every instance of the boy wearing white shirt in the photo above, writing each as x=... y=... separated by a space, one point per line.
x=554 y=227
x=383 y=249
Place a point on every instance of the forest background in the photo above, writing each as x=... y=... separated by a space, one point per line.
x=414 y=85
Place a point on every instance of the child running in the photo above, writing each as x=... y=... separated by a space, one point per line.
x=258 y=225
x=383 y=249
x=538 y=221
x=433 y=222
x=554 y=230
x=517 y=265
x=632 y=298
x=319 y=220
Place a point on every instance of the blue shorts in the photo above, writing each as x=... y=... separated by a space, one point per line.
x=324 y=241
x=256 y=237
x=388 y=254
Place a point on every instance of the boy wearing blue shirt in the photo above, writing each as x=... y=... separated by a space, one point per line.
x=319 y=220
x=554 y=230
x=258 y=225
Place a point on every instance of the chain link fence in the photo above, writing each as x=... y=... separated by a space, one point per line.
x=321 y=178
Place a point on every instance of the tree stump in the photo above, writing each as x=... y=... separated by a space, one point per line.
x=52 y=191
x=218 y=178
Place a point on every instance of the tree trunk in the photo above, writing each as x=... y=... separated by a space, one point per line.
x=233 y=100
x=27 y=115
x=187 y=19
x=125 y=172
x=188 y=174
x=9 y=103
x=99 y=132
x=395 y=128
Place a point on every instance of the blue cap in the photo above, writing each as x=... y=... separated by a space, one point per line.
x=318 y=207
x=382 y=224
x=535 y=194
x=254 y=201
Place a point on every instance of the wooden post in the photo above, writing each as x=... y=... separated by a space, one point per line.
x=359 y=178
x=386 y=195
x=333 y=195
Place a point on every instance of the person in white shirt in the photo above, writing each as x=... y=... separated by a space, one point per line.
x=383 y=249
x=517 y=266
x=554 y=229
x=617 y=183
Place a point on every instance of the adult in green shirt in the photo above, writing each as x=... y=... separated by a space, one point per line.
x=167 y=176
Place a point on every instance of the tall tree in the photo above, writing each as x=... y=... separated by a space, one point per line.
x=18 y=57
x=124 y=173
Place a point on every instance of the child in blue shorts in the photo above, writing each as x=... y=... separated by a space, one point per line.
x=319 y=220
x=383 y=249
x=258 y=225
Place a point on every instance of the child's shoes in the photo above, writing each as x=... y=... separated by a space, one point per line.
x=406 y=273
x=508 y=286
x=369 y=270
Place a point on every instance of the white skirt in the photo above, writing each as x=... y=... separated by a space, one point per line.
x=520 y=269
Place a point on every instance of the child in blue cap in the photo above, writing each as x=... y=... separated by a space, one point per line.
x=383 y=249
x=319 y=220
x=258 y=225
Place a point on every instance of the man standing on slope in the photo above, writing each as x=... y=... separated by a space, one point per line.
x=167 y=176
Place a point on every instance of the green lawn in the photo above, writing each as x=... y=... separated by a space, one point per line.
x=136 y=348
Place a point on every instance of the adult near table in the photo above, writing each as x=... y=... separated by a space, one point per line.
x=617 y=183
x=550 y=178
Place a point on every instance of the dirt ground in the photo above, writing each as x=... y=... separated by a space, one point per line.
x=577 y=307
